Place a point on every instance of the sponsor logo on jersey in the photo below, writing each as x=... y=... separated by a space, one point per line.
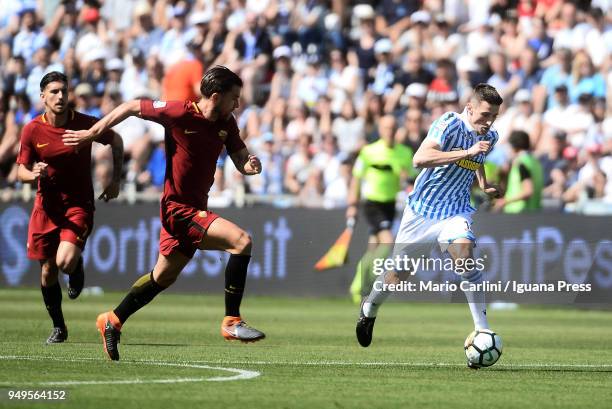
x=468 y=164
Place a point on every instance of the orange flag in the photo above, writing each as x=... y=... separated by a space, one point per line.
x=337 y=255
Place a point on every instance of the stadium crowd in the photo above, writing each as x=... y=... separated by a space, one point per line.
x=318 y=77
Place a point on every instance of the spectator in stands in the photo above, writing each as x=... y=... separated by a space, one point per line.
x=41 y=65
x=134 y=79
x=554 y=76
x=29 y=38
x=144 y=35
x=270 y=181
x=182 y=79
x=539 y=40
x=393 y=17
x=597 y=45
x=94 y=72
x=309 y=20
x=445 y=43
x=444 y=85
x=521 y=117
x=553 y=165
x=252 y=52
x=15 y=78
x=361 y=52
x=417 y=37
x=502 y=79
x=299 y=165
x=384 y=72
x=580 y=119
x=156 y=169
x=215 y=38
x=172 y=46
x=336 y=193
x=557 y=117
x=413 y=132
x=311 y=194
x=299 y=121
x=525 y=179
x=348 y=129
x=584 y=79
x=512 y=40
x=84 y=100
x=529 y=72
x=71 y=68
x=344 y=81
x=590 y=181
x=313 y=83
x=281 y=86
x=155 y=77
x=370 y=114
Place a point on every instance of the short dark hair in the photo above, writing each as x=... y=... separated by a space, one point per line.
x=487 y=93
x=53 y=76
x=219 y=79
x=519 y=140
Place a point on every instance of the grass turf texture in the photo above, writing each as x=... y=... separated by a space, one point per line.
x=552 y=357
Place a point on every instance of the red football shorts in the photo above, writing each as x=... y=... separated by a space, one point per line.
x=183 y=228
x=46 y=231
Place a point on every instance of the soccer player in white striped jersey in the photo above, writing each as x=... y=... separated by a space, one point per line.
x=439 y=209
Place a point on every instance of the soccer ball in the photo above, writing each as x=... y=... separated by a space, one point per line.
x=483 y=348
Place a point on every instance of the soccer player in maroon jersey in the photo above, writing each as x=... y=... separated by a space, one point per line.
x=195 y=135
x=63 y=211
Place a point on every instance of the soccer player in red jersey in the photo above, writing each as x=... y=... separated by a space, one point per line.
x=63 y=211
x=195 y=136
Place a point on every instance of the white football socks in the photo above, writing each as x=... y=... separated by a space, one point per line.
x=476 y=301
x=376 y=297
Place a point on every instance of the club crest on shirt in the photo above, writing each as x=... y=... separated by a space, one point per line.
x=159 y=104
x=223 y=134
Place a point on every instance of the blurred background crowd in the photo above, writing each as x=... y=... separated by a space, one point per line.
x=319 y=74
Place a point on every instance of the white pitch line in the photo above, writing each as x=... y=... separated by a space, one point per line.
x=317 y=363
x=408 y=364
x=241 y=374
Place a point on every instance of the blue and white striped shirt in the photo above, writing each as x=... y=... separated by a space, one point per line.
x=444 y=191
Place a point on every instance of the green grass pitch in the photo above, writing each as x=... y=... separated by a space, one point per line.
x=552 y=358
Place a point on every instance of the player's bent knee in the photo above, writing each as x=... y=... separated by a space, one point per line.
x=66 y=264
x=243 y=243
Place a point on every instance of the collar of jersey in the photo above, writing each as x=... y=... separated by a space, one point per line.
x=44 y=118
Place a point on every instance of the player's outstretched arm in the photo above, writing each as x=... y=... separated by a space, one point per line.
x=112 y=190
x=82 y=137
x=429 y=154
x=246 y=163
